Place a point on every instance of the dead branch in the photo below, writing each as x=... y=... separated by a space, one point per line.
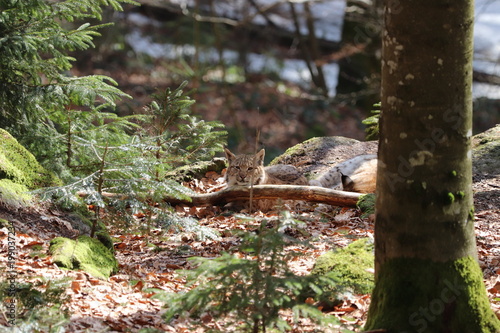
x=287 y=192
x=237 y=193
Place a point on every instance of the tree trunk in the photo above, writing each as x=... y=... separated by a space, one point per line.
x=427 y=275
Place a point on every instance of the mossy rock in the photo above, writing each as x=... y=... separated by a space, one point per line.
x=14 y=195
x=316 y=145
x=20 y=166
x=350 y=265
x=316 y=155
x=84 y=253
x=197 y=170
x=105 y=238
x=20 y=172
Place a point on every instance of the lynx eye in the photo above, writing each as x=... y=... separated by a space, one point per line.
x=250 y=168
x=236 y=167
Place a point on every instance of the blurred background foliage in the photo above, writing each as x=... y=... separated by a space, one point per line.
x=286 y=70
x=275 y=73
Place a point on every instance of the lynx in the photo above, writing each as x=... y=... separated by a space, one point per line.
x=249 y=170
x=357 y=174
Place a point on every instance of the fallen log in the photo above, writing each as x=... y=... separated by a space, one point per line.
x=238 y=193
x=286 y=192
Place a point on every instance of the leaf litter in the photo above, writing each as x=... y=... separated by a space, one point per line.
x=148 y=263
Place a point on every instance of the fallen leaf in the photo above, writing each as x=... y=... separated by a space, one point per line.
x=138 y=286
x=76 y=286
x=310 y=301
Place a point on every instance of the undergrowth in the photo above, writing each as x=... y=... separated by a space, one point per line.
x=248 y=290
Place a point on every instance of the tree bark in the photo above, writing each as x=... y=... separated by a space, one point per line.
x=427 y=277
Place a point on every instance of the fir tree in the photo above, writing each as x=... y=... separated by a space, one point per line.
x=247 y=290
x=38 y=99
x=125 y=174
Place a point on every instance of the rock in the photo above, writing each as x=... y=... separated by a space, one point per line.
x=316 y=155
x=352 y=264
x=197 y=170
x=84 y=253
x=20 y=172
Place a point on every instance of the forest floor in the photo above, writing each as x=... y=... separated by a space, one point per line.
x=283 y=116
x=126 y=303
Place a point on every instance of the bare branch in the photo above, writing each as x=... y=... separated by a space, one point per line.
x=287 y=192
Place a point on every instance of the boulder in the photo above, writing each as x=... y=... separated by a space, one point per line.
x=316 y=155
x=20 y=172
x=85 y=253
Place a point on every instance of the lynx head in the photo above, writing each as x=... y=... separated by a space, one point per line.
x=245 y=169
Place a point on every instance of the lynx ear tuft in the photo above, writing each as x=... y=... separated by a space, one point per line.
x=259 y=157
x=230 y=156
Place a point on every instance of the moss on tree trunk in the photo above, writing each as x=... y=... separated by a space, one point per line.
x=427 y=277
x=418 y=295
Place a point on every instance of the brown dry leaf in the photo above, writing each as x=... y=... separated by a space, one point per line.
x=139 y=286
x=76 y=286
x=39 y=264
x=344 y=216
x=343 y=230
x=121 y=245
x=94 y=282
x=206 y=317
x=310 y=301
x=32 y=243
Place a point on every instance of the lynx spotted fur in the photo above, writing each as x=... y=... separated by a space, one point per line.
x=249 y=170
x=356 y=174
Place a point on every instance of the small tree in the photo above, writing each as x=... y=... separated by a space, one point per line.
x=109 y=161
x=38 y=100
x=247 y=290
x=173 y=136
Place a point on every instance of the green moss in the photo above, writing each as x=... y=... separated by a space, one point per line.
x=417 y=295
x=4 y=223
x=86 y=253
x=197 y=170
x=366 y=204
x=292 y=151
x=460 y=194
x=351 y=265
x=20 y=166
x=104 y=237
x=20 y=172
x=471 y=214
x=453 y=173
x=450 y=198
x=12 y=194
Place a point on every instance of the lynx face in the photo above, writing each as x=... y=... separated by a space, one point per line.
x=245 y=169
